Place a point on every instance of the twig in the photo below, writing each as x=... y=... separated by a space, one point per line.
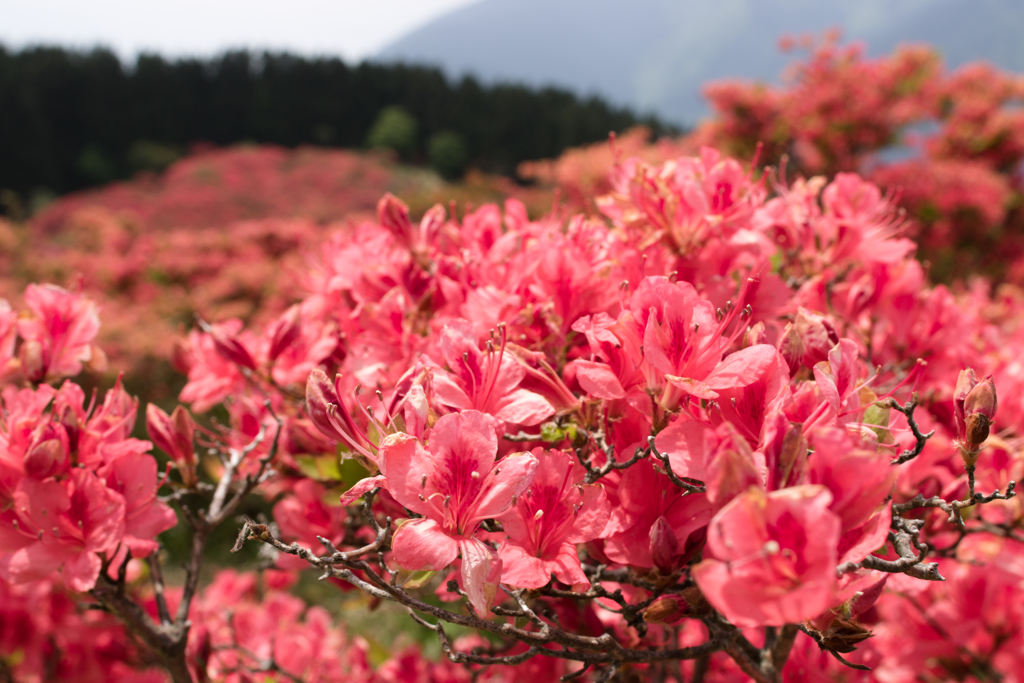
x=920 y=439
x=156 y=577
x=672 y=476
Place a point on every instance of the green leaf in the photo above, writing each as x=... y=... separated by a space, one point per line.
x=419 y=579
x=551 y=432
x=352 y=472
x=878 y=414
x=322 y=467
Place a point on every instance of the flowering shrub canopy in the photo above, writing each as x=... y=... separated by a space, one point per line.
x=725 y=427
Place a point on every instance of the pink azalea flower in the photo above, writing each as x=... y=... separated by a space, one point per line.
x=485 y=381
x=145 y=518
x=556 y=512
x=644 y=497
x=59 y=338
x=620 y=372
x=53 y=525
x=455 y=484
x=837 y=379
x=211 y=376
x=298 y=342
x=773 y=557
x=861 y=482
x=763 y=391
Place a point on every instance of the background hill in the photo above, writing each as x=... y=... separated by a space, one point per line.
x=654 y=55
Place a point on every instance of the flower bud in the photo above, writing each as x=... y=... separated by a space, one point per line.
x=284 y=331
x=393 y=215
x=416 y=411
x=230 y=349
x=844 y=635
x=72 y=427
x=664 y=546
x=792 y=348
x=46 y=457
x=807 y=340
x=320 y=395
x=174 y=435
x=975 y=405
x=431 y=224
x=32 y=362
x=982 y=400
x=181 y=356
x=732 y=470
x=667 y=609
x=755 y=335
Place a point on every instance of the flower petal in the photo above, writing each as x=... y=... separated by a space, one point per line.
x=362 y=487
x=509 y=478
x=422 y=544
x=481 y=572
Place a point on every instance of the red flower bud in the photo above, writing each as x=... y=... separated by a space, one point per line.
x=966 y=381
x=320 y=395
x=664 y=546
x=32 y=362
x=974 y=407
x=982 y=400
x=174 y=435
x=47 y=457
x=667 y=609
x=393 y=214
x=284 y=331
x=231 y=349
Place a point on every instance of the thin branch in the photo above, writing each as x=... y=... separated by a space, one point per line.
x=156 y=577
x=595 y=650
x=672 y=476
x=920 y=439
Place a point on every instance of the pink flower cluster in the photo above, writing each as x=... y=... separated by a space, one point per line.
x=46 y=636
x=76 y=490
x=724 y=423
x=958 y=138
x=696 y=390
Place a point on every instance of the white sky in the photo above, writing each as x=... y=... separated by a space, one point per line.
x=353 y=29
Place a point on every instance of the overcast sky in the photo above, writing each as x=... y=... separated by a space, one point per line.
x=353 y=29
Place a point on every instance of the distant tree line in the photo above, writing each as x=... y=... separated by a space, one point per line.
x=70 y=119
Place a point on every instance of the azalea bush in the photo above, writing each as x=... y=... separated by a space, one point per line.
x=946 y=145
x=724 y=430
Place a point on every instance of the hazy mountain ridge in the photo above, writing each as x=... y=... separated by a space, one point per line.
x=654 y=55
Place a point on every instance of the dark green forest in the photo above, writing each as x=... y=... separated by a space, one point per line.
x=70 y=120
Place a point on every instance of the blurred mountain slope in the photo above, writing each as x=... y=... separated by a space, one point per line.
x=655 y=55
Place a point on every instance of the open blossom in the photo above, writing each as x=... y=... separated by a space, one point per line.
x=556 y=512
x=51 y=526
x=645 y=497
x=487 y=381
x=213 y=372
x=74 y=487
x=771 y=557
x=134 y=477
x=861 y=482
x=455 y=483
x=58 y=338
